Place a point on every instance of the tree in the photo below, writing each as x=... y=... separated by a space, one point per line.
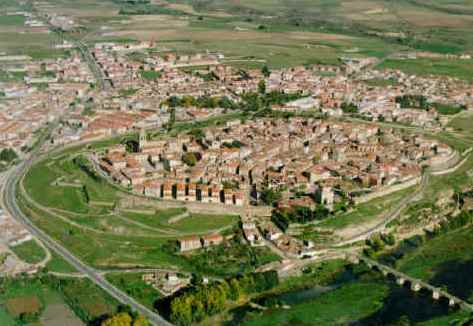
x=196 y=279
x=140 y=321
x=172 y=119
x=225 y=103
x=349 y=108
x=8 y=155
x=197 y=133
x=265 y=71
x=181 y=310
x=120 y=319
x=270 y=197
x=262 y=87
x=235 y=290
x=190 y=159
x=173 y=101
x=402 y=321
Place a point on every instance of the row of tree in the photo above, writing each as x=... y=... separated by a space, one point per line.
x=378 y=242
x=264 y=100
x=412 y=101
x=125 y=317
x=204 y=300
x=204 y=101
x=252 y=101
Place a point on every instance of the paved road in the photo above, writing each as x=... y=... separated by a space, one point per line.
x=9 y=198
x=102 y=81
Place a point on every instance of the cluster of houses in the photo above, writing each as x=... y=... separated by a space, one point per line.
x=326 y=88
x=230 y=163
x=268 y=232
x=48 y=90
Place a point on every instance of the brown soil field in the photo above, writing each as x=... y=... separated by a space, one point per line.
x=97 y=309
x=432 y=19
x=17 y=306
x=59 y=315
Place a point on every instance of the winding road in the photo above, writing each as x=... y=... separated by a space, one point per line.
x=12 y=179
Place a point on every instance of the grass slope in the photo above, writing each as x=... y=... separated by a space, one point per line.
x=29 y=251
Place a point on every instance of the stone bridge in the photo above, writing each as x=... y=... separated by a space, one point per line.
x=414 y=284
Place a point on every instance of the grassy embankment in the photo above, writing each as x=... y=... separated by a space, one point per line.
x=81 y=212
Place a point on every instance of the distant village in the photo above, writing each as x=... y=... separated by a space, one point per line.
x=37 y=92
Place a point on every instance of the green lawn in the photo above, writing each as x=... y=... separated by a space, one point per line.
x=104 y=250
x=30 y=252
x=150 y=75
x=461 y=141
x=12 y=76
x=33 y=44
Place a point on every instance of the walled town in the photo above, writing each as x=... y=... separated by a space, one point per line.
x=228 y=164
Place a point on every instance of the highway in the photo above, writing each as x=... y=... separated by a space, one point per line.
x=9 y=199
